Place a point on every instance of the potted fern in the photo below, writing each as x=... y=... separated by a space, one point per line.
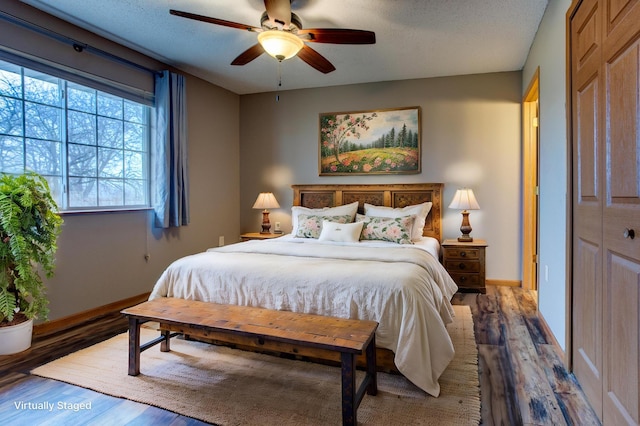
x=29 y=228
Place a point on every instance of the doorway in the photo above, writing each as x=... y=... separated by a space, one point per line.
x=530 y=189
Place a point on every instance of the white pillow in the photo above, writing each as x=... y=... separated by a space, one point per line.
x=420 y=211
x=310 y=226
x=347 y=209
x=341 y=232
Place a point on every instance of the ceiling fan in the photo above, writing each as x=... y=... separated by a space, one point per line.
x=281 y=35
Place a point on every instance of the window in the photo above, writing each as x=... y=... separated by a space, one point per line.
x=91 y=146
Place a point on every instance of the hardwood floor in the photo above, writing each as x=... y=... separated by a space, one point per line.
x=522 y=379
x=17 y=386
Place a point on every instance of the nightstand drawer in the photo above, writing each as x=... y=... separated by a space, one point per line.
x=464 y=253
x=455 y=265
x=468 y=280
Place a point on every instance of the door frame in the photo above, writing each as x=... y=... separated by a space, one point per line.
x=530 y=183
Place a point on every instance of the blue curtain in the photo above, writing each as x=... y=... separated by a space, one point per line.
x=170 y=177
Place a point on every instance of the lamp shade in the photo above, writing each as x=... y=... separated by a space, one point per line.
x=464 y=200
x=266 y=200
x=280 y=44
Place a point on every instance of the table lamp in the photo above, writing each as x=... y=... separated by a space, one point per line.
x=465 y=200
x=264 y=202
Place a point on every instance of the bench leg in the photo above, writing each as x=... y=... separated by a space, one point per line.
x=349 y=404
x=372 y=369
x=166 y=340
x=134 y=346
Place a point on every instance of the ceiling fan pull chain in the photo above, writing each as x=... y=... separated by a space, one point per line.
x=279 y=73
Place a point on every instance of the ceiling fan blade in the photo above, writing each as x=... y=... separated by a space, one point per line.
x=214 y=21
x=248 y=55
x=279 y=11
x=337 y=36
x=315 y=59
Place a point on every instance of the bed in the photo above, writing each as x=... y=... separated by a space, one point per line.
x=333 y=271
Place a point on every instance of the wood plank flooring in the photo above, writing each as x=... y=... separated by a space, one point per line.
x=522 y=379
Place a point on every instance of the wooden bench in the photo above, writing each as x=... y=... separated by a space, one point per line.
x=280 y=331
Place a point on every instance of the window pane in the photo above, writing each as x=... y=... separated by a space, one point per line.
x=55 y=185
x=42 y=88
x=110 y=163
x=135 y=192
x=81 y=128
x=83 y=192
x=134 y=112
x=10 y=80
x=82 y=160
x=11 y=154
x=110 y=132
x=81 y=98
x=11 y=116
x=43 y=156
x=111 y=192
x=109 y=106
x=42 y=122
x=134 y=136
x=134 y=163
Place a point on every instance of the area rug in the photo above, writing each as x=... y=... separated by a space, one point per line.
x=227 y=386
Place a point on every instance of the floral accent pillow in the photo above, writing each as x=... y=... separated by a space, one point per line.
x=393 y=229
x=310 y=226
x=420 y=211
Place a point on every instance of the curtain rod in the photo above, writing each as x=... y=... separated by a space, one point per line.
x=77 y=45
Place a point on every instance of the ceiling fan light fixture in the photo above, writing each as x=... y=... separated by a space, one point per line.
x=280 y=44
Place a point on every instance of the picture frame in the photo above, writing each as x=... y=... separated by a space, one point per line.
x=384 y=141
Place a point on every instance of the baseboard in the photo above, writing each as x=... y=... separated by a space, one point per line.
x=505 y=283
x=552 y=339
x=64 y=323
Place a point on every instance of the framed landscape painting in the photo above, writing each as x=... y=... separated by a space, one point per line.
x=370 y=142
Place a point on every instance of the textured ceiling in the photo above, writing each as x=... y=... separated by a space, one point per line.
x=414 y=38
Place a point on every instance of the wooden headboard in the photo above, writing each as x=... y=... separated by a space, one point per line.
x=392 y=195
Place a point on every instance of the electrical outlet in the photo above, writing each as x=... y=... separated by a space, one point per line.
x=220 y=240
x=277 y=228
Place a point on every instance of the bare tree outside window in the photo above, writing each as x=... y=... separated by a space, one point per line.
x=91 y=146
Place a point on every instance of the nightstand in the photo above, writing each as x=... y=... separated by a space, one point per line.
x=465 y=263
x=258 y=236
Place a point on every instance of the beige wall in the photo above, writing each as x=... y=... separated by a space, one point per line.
x=548 y=52
x=101 y=256
x=470 y=137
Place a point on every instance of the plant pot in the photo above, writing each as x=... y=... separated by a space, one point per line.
x=16 y=338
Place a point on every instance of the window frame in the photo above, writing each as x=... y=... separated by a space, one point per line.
x=144 y=125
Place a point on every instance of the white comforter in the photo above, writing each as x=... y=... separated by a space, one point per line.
x=404 y=289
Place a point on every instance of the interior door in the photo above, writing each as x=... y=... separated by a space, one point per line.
x=585 y=28
x=621 y=213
